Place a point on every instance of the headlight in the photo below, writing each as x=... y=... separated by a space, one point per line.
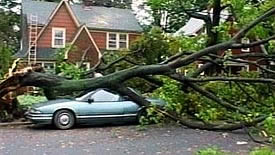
x=35 y=111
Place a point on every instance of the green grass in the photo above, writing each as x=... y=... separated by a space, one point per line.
x=210 y=151
x=262 y=151
x=216 y=151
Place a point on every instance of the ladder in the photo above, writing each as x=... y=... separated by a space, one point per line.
x=32 y=39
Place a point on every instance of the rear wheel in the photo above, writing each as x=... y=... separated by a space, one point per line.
x=64 y=119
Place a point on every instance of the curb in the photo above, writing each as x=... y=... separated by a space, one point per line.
x=15 y=123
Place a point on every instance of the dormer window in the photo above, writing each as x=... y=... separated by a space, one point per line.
x=58 y=37
x=245 y=41
x=117 y=41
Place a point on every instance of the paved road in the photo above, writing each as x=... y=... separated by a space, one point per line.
x=116 y=140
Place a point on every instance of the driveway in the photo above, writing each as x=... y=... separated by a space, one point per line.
x=117 y=140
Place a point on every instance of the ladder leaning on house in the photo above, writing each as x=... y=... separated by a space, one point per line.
x=32 y=39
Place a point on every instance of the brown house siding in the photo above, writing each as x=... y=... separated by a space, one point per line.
x=133 y=37
x=82 y=43
x=62 y=19
x=100 y=39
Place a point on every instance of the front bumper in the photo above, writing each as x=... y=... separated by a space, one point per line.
x=39 y=118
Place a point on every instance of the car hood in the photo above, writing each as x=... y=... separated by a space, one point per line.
x=51 y=102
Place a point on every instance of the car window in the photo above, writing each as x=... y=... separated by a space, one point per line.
x=103 y=95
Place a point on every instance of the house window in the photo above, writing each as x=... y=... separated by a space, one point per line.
x=245 y=41
x=49 y=66
x=58 y=37
x=117 y=41
x=236 y=68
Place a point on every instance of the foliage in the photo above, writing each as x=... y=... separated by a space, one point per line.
x=245 y=12
x=65 y=68
x=28 y=100
x=9 y=25
x=71 y=71
x=217 y=151
x=9 y=4
x=9 y=40
x=5 y=59
x=155 y=46
x=151 y=116
x=210 y=151
x=172 y=94
x=176 y=17
x=262 y=151
x=257 y=99
x=269 y=125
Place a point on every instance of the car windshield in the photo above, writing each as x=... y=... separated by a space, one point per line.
x=103 y=95
x=100 y=95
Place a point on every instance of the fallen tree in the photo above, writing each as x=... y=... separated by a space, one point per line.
x=55 y=86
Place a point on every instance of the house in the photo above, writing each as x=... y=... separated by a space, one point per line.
x=194 y=26
x=47 y=27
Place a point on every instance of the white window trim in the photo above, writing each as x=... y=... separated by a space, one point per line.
x=43 y=63
x=246 y=67
x=88 y=65
x=53 y=37
x=117 y=40
x=245 y=41
x=199 y=66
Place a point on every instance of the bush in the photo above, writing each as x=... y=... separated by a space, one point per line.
x=210 y=151
x=26 y=101
x=262 y=151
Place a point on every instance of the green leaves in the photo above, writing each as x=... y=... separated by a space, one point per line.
x=176 y=17
x=5 y=59
x=71 y=71
x=28 y=100
x=66 y=69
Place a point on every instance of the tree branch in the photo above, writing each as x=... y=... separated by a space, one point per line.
x=207 y=93
x=243 y=31
x=236 y=79
x=253 y=44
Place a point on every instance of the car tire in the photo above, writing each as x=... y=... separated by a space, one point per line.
x=64 y=119
x=141 y=113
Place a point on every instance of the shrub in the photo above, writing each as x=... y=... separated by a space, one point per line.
x=262 y=151
x=210 y=151
x=28 y=100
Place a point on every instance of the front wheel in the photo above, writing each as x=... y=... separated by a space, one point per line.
x=142 y=113
x=64 y=119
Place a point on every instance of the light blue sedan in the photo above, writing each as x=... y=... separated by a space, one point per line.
x=99 y=106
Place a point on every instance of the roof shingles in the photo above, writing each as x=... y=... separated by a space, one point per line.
x=96 y=17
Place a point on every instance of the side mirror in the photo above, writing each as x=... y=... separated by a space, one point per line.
x=90 y=100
